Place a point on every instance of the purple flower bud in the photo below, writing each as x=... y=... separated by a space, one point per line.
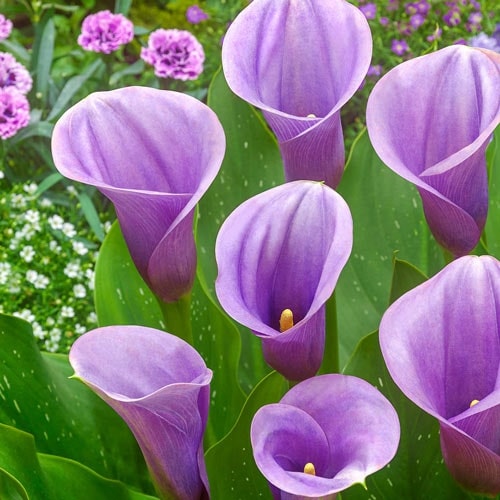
x=13 y=74
x=452 y=17
x=384 y=21
x=174 y=54
x=369 y=10
x=416 y=21
x=14 y=112
x=105 y=32
x=374 y=70
x=399 y=47
x=5 y=27
x=195 y=14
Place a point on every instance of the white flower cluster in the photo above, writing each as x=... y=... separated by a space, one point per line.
x=47 y=258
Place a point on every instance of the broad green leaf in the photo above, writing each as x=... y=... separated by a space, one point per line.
x=121 y=295
x=47 y=477
x=65 y=417
x=251 y=165
x=231 y=468
x=491 y=231
x=122 y=6
x=35 y=129
x=405 y=277
x=388 y=218
x=49 y=181
x=417 y=472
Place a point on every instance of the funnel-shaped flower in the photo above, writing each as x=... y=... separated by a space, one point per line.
x=326 y=434
x=279 y=256
x=430 y=120
x=300 y=61
x=153 y=153
x=160 y=386
x=441 y=344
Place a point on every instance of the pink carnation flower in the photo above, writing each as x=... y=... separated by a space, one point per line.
x=14 y=74
x=105 y=32
x=5 y=27
x=174 y=54
x=14 y=112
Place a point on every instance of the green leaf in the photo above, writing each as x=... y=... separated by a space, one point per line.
x=25 y=474
x=388 y=218
x=72 y=86
x=491 y=233
x=35 y=129
x=251 y=165
x=405 y=277
x=90 y=214
x=136 y=68
x=65 y=417
x=121 y=295
x=43 y=51
x=122 y=6
x=231 y=468
x=48 y=182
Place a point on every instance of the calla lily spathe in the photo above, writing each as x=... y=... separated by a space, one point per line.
x=284 y=250
x=153 y=153
x=160 y=386
x=326 y=434
x=430 y=120
x=300 y=61
x=441 y=344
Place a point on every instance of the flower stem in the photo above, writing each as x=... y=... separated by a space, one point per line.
x=177 y=317
x=331 y=363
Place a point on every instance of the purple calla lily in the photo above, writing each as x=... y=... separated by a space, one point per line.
x=430 y=120
x=153 y=153
x=300 y=62
x=279 y=256
x=326 y=434
x=441 y=344
x=160 y=386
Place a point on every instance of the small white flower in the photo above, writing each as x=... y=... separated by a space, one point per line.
x=25 y=314
x=56 y=222
x=69 y=230
x=18 y=201
x=72 y=269
x=5 y=269
x=32 y=216
x=41 y=281
x=27 y=253
x=54 y=246
x=92 y=318
x=2 y=175
x=67 y=312
x=72 y=190
x=38 y=331
x=80 y=329
x=79 y=291
x=107 y=226
x=45 y=203
x=55 y=334
x=30 y=188
x=31 y=275
x=90 y=275
x=50 y=321
x=79 y=247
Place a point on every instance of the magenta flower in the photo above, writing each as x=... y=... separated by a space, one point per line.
x=452 y=17
x=14 y=112
x=300 y=62
x=160 y=386
x=195 y=14
x=416 y=20
x=442 y=349
x=153 y=153
x=326 y=434
x=105 y=32
x=174 y=54
x=279 y=256
x=13 y=74
x=5 y=27
x=440 y=144
x=399 y=47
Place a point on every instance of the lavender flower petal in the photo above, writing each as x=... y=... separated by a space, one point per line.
x=439 y=144
x=105 y=32
x=284 y=249
x=301 y=62
x=160 y=386
x=443 y=351
x=341 y=425
x=153 y=153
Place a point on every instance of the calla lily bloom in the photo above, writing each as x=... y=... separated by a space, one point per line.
x=441 y=344
x=430 y=120
x=326 y=434
x=300 y=61
x=160 y=386
x=153 y=153
x=279 y=256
